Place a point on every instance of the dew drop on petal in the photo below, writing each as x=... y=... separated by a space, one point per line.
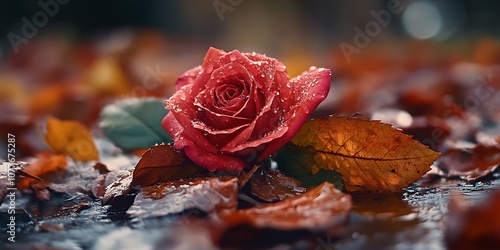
x=182 y=96
x=306 y=109
x=209 y=68
x=232 y=57
x=281 y=68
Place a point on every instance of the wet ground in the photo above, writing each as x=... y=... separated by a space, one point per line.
x=412 y=219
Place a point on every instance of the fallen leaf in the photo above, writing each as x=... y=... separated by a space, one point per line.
x=44 y=189
x=205 y=194
x=244 y=177
x=368 y=154
x=46 y=163
x=473 y=227
x=103 y=169
x=430 y=131
x=470 y=163
x=71 y=138
x=52 y=228
x=272 y=185
x=317 y=209
x=106 y=77
x=135 y=123
x=118 y=188
x=163 y=163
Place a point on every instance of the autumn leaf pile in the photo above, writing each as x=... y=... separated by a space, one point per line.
x=90 y=145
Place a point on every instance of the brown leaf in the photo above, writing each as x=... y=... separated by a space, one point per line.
x=52 y=228
x=476 y=227
x=470 y=163
x=118 y=188
x=44 y=189
x=71 y=138
x=271 y=185
x=173 y=197
x=368 y=154
x=244 y=177
x=319 y=208
x=103 y=169
x=163 y=163
x=430 y=131
x=46 y=163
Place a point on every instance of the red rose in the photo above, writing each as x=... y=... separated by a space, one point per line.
x=236 y=109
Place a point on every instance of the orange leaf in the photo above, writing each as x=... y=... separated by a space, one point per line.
x=71 y=138
x=369 y=155
x=319 y=208
x=46 y=163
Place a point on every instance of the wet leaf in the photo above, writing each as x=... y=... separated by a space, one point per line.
x=118 y=188
x=272 y=185
x=71 y=138
x=319 y=208
x=368 y=154
x=46 y=163
x=173 y=197
x=44 y=189
x=470 y=163
x=244 y=177
x=134 y=123
x=473 y=227
x=163 y=163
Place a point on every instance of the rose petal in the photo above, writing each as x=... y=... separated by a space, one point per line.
x=213 y=161
x=314 y=86
x=188 y=77
x=243 y=137
x=181 y=134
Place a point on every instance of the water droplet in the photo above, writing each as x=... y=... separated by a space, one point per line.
x=182 y=96
x=312 y=68
x=209 y=68
x=232 y=57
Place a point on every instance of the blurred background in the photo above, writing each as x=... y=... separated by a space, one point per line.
x=424 y=58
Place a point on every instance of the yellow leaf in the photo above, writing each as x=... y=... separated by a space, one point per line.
x=369 y=155
x=106 y=77
x=72 y=139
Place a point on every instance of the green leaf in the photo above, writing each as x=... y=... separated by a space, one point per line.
x=297 y=162
x=135 y=123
